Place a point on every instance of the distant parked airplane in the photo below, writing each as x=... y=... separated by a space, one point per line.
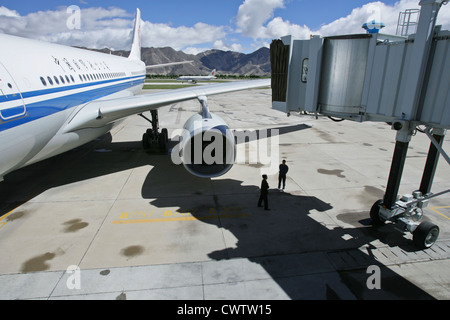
x=195 y=79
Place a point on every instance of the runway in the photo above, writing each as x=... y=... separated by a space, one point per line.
x=139 y=227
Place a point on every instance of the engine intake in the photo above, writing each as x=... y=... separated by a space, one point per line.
x=207 y=148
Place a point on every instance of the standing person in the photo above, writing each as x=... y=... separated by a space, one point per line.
x=264 y=193
x=282 y=175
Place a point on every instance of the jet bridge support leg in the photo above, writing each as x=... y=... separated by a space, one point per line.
x=432 y=162
x=395 y=176
x=407 y=212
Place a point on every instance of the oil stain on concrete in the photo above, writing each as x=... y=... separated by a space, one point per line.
x=132 y=251
x=74 y=225
x=337 y=173
x=38 y=263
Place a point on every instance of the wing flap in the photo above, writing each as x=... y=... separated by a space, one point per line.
x=100 y=113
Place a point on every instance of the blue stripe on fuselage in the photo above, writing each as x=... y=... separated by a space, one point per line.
x=48 y=107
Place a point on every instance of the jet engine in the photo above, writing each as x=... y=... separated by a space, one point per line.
x=207 y=148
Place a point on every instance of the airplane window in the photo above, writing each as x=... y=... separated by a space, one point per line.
x=50 y=80
x=81 y=78
x=67 y=79
x=10 y=85
x=62 y=79
x=56 y=79
x=43 y=81
x=84 y=77
x=73 y=80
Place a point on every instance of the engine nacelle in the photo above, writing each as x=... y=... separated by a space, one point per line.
x=207 y=148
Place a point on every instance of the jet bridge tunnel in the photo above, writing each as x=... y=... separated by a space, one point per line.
x=403 y=81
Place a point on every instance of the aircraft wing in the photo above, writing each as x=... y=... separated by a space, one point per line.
x=167 y=64
x=102 y=112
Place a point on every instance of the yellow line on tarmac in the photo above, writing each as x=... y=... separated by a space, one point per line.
x=2 y=224
x=435 y=210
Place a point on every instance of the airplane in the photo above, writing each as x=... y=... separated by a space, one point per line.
x=55 y=98
x=195 y=79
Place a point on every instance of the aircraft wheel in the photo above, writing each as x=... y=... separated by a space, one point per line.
x=425 y=235
x=163 y=139
x=145 y=141
x=375 y=214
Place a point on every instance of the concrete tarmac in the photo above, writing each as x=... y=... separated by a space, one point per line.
x=133 y=225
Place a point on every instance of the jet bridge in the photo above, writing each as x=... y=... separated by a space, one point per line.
x=403 y=81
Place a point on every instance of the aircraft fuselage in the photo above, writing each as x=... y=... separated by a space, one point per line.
x=43 y=86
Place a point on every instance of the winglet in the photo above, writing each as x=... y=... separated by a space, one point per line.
x=135 y=53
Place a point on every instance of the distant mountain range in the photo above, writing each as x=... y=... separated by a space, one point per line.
x=225 y=62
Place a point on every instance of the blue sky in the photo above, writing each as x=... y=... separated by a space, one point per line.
x=193 y=26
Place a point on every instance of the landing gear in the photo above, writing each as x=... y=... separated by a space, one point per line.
x=406 y=212
x=153 y=138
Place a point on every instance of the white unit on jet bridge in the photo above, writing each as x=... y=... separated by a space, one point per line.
x=375 y=77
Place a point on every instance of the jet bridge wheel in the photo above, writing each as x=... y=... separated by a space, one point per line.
x=375 y=214
x=425 y=235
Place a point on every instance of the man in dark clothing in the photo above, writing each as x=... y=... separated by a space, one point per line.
x=264 y=193
x=282 y=175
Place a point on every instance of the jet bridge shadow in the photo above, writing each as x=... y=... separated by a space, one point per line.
x=278 y=235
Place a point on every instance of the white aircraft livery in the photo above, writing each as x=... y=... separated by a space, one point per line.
x=55 y=98
x=195 y=79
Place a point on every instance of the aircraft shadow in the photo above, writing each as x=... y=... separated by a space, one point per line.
x=283 y=232
x=276 y=239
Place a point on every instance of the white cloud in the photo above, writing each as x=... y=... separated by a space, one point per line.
x=8 y=13
x=253 y=14
x=220 y=45
x=102 y=28
x=256 y=19
x=162 y=35
x=195 y=50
